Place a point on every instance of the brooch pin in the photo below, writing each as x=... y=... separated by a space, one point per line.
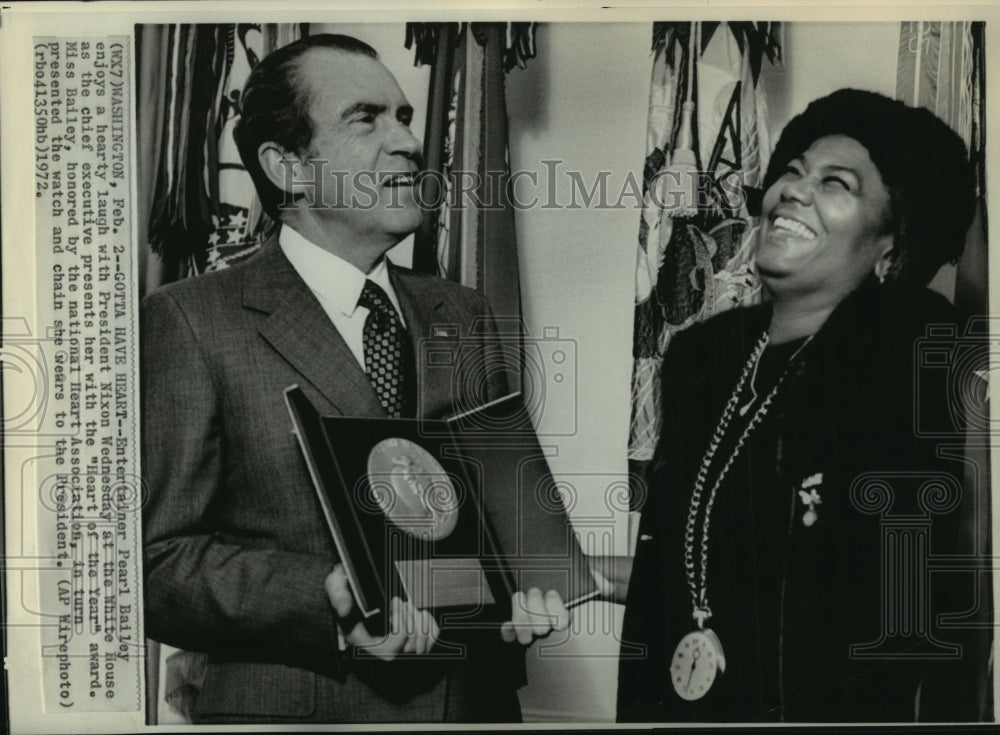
x=810 y=498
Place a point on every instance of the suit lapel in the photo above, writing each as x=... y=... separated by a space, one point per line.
x=299 y=330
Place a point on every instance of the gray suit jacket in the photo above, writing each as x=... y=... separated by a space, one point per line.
x=236 y=549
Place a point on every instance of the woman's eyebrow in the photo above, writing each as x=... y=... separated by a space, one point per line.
x=840 y=168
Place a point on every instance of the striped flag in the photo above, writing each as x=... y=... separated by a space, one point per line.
x=204 y=210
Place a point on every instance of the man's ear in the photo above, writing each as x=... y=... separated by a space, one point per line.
x=283 y=169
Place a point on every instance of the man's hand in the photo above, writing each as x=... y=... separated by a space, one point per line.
x=410 y=630
x=534 y=616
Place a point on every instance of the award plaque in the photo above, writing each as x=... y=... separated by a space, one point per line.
x=448 y=514
x=405 y=516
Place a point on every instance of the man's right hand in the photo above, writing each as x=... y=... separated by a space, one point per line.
x=411 y=631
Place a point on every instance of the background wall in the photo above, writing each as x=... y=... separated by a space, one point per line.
x=583 y=102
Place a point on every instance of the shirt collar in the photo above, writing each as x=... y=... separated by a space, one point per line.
x=329 y=276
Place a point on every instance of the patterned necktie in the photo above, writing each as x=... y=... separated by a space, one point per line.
x=388 y=353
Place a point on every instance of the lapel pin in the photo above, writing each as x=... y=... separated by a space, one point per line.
x=810 y=498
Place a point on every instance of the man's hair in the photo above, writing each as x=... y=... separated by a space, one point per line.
x=923 y=164
x=275 y=107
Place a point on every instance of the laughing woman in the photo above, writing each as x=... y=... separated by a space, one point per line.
x=765 y=583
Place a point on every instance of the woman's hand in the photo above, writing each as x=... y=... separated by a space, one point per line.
x=612 y=575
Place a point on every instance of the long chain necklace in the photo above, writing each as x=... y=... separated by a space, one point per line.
x=699 y=655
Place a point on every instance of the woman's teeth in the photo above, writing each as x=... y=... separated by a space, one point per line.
x=795 y=227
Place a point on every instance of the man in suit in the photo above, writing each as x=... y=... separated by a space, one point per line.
x=238 y=561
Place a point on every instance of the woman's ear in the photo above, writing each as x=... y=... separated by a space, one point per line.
x=884 y=264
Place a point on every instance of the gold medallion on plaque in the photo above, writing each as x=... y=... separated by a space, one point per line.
x=412 y=489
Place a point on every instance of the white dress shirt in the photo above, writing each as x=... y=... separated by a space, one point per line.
x=337 y=285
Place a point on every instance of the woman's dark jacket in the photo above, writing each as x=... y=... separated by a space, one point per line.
x=831 y=622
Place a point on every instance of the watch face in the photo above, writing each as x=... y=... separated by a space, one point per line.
x=697 y=659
